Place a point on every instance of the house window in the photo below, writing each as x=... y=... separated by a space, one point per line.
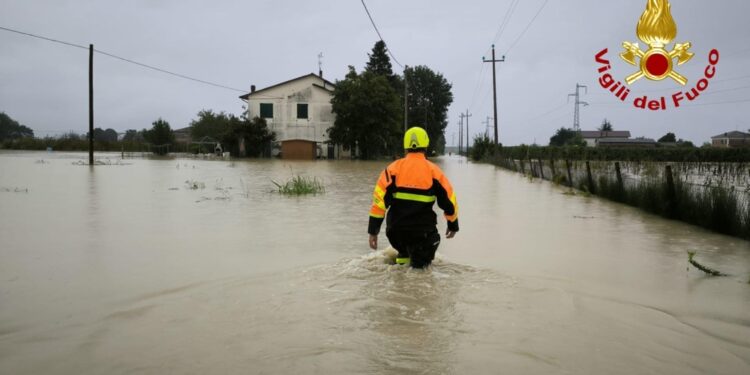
x=266 y=110
x=302 y=110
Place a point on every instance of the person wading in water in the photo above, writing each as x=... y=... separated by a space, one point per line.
x=407 y=190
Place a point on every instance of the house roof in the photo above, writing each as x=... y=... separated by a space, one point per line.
x=627 y=141
x=732 y=134
x=325 y=83
x=605 y=134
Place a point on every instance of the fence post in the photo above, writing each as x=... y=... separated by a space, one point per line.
x=541 y=168
x=552 y=167
x=570 y=177
x=590 y=178
x=619 y=175
x=670 y=193
x=531 y=167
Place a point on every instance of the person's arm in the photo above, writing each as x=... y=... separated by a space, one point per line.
x=377 y=209
x=446 y=200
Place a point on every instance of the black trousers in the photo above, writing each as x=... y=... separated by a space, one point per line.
x=420 y=246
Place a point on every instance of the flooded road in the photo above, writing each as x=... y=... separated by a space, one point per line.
x=198 y=267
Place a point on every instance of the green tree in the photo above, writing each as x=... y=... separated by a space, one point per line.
x=380 y=64
x=210 y=124
x=11 y=129
x=606 y=126
x=253 y=134
x=668 y=138
x=566 y=137
x=429 y=97
x=368 y=113
x=132 y=135
x=160 y=135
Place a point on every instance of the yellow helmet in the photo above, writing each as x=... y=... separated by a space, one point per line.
x=416 y=138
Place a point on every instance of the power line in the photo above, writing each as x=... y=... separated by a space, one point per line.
x=124 y=59
x=378 y=31
x=527 y=27
x=506 y=19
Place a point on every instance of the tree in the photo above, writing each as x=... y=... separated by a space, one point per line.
x=368 y=113
x=11 y=129
x=380 y=63
x=567 y=137
x=160 y=135
x=429 y=97
x=606 y=126
x=132 y=135
x=668 y=138
x=210 y=124
x=109 y=135
x=253 y=134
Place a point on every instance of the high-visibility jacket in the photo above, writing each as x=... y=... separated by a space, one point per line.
x=407 y=190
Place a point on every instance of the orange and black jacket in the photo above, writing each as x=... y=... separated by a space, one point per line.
x=407 y=190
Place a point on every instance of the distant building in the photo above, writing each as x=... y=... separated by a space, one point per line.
x=621 y=142
x=299 y=112
x=182 y=135
x=592 y=137
x=731 y=139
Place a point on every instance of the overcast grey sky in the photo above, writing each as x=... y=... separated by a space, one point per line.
x=238 y=43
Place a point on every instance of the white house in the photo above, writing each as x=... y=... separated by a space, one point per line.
x=299 y=112
x=592 y=137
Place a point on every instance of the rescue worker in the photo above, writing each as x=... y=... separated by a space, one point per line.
x=407 y=190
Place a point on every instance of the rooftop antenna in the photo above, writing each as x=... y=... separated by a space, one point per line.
x=320 y=65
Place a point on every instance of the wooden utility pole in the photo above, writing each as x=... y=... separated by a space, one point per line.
x=494 y=84
x=460 y=133
x=467 y=115
x=91 y=104
x=406 y=99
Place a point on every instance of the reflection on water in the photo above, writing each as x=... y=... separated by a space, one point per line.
x=127 y=268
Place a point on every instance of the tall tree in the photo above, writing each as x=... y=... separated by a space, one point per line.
x=160 y=135
x=428 y=99
x=668 y=138
x=210 y=124
x=368 y=113
x=606 y=126
x=11 y=129
x=380 y=63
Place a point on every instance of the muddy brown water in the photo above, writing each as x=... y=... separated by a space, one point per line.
x=197 y=267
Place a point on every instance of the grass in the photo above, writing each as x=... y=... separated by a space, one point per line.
x=300 y=185
x=701 y=267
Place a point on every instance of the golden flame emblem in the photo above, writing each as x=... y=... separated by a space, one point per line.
x=657 y=29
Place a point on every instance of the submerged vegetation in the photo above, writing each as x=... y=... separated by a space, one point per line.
x=701 y=267
x=300 y=185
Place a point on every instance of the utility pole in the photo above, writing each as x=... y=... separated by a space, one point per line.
x=460 y=133
x=494 y=84
x=467 y=131
x=576 y=112
x=406 y=98
x=91 y=104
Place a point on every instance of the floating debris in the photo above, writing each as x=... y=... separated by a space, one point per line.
x=195 y=185
x=14 y=190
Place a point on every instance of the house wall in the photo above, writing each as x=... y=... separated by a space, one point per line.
x=285 y=99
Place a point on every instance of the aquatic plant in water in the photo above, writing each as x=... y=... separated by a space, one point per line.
x=701 y=267
x=300 y=185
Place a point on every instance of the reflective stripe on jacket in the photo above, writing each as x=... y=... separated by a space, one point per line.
x=407 y=190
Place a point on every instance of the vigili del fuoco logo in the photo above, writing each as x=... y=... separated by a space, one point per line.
x=657 y=29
